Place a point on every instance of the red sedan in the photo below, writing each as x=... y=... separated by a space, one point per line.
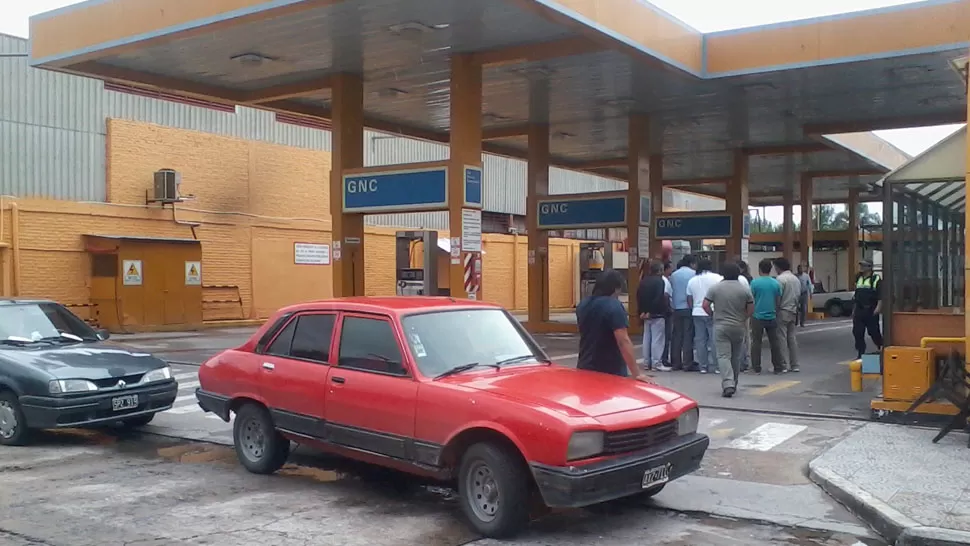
x=452 y=390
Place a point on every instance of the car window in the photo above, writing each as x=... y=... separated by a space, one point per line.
x=444 y=340
x=311 y=339
x=43 y=321
x=281 y=345
x=370 y=345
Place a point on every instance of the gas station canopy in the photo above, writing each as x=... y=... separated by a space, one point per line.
x=770 y=92
x=938 y=174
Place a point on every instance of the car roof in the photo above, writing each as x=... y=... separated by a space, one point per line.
x=22 y=301
x=390 y=305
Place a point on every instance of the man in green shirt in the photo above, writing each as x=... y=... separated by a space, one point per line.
x=767 y=298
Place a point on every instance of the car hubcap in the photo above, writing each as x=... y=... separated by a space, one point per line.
x=8 y=421
x=253 y=440
x=483 y=492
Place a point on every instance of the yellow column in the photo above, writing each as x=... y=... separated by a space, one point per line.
x=788 y=227
x=736 y=202
x=645 y=175
x=853 y=214
x=808 y=226
x=465 y=149
x=347 y=153
x=538 y=241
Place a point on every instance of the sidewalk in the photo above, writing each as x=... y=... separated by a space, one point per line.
x=910 y=490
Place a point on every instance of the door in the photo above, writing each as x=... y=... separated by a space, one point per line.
x=293 y=378
x=371 y=398
x=174 y=285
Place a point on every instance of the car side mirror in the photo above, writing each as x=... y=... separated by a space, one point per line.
x=103 y=334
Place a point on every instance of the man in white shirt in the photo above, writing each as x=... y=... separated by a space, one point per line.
x=697 y=289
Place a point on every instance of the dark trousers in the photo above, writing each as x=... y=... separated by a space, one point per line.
x=802 y=309
x=669 y=332
x=862 y=323
x=758 y=330
x=682 y=339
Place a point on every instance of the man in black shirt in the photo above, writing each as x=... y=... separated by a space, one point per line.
x=604 y=344
x=868 y=306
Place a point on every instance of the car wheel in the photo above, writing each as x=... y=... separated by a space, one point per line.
x=259 y=447
x=834 y=309
x=13 y=425
x=140 y=421
x=493 y=488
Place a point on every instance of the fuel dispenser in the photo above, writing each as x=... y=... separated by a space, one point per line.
x=417 y=281
x=717 y=258
x=594 y=258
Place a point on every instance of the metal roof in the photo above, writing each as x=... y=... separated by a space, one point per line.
x=593 y=87
x=938 y=174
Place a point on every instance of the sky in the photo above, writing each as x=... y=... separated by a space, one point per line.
x=704 y=15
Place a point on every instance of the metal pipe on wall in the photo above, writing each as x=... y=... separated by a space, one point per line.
x=15 y=245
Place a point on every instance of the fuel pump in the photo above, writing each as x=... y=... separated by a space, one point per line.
x=594 y=258
x=716 y=257
x=416 y=281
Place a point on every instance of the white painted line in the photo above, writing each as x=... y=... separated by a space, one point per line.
x=184 y=398
x=714 y=423
x=181 y=376
x=188 y=385
x=185 y=409
x=766 y=437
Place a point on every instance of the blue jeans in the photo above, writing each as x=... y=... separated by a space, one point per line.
x=704 y=343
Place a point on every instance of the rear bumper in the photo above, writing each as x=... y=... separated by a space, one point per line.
x=576 y=486
x=95 y=409
x=213 y=403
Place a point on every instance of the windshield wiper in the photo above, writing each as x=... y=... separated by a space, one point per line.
x=517 y=359
x=18 y=341
x=465 y=368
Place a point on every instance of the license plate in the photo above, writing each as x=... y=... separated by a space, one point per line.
x=656 y=476
x=120 y=403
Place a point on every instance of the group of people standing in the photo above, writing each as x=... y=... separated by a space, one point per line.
x=717 y=322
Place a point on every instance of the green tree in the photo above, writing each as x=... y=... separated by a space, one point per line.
x=866 y=217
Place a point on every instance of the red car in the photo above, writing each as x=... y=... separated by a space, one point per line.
x=452 y=390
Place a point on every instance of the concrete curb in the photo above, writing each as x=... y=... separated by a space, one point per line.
x=898 y=528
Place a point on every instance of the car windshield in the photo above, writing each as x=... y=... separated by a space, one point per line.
x=445 y=340
x=37 y=322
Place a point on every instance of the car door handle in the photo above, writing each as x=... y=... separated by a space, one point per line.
x=340 y=380
x=269 y=366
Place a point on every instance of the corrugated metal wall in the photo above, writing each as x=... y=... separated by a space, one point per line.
x=52 y=141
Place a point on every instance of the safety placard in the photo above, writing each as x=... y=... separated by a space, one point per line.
x=132 y=272
x=193 y=273
x=311 y=254
x=745 y=246
x=471 y=230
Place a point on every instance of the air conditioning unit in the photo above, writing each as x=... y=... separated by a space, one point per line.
x=167 y=182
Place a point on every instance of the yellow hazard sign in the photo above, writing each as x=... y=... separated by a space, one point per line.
x=132 y=272
x=193 y=273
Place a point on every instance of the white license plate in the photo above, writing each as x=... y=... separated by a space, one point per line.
x=656 y=476
x=120 y=403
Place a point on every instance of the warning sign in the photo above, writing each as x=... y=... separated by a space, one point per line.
x=132 y=272
x=193 y=273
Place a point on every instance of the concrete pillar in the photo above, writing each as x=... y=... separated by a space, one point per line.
x=347 y=153
x=538 y=187
x=645 y=177
x=853 y=214
x=808 y=226
x=788 y=227
x=465 y=149
x=736 y=202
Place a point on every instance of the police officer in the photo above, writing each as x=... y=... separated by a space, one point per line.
x=868 y=305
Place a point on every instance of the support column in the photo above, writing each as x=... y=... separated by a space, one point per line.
x=853 y=214
x=807 y=226
x=465 y=148
x=736 y=202
x=538 y=186
x=347 y=153
x=645 y=176
x=788 y=227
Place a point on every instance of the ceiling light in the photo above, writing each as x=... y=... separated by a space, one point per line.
x=563 y=135
x=625 y=102
x=495 y=118
x=251 y=59
x=532 y=71
x=390 y=92
x=759 y=86
x=414 y=27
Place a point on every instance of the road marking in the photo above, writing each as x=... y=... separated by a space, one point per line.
x=720 y=433
x=184 y=409
x=715 y=423
x=766 y=437
x=181 y=376
x=184 y=398
x=775 y=387
x=188 y=385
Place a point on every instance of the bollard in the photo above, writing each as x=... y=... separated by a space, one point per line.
x=855 y=375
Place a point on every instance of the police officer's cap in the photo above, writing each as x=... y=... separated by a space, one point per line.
x=866 y=263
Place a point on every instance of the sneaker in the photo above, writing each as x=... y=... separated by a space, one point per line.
x=728 y=392
x=703 y=370
x=796 y=369
x=663 y=368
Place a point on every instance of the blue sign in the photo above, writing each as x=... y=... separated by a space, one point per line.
x=578 y=213
x=645 y=211
x=693 y=227
x=397 y=190
x=746 y=225
x=473 y=187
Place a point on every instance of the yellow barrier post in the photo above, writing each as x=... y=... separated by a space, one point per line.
x=855 y=375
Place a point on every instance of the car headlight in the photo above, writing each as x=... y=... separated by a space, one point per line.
x=583 y=445
x=687 y=422
x=61 y=386
x=158 y=374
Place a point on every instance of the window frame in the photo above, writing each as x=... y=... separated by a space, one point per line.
x=286 y=321
x=402 y=348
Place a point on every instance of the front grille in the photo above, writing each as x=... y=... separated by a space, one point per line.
x=635 y=439
x=130 y=381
